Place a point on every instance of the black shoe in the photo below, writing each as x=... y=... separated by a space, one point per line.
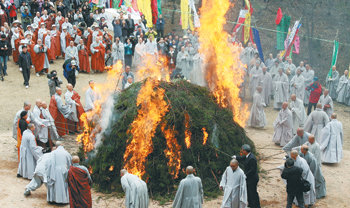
x=19 y=176
x=51 y=62
x=2 y=78
x=6 y=74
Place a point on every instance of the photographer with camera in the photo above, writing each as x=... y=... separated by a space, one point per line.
x=53 y=82
x=4 y=47
x=69 y=72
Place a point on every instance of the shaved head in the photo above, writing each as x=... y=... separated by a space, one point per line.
x=319 y=105
x=123 y=172
x=294 y=154
x=189 y=170
x=334 y=116
x=75 y=159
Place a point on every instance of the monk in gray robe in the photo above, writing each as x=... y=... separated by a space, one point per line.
x=29 y=153
x=265 y=81
x=301 y=67
x=136 y=195
x=347 y=94
x=342 y=87
x=299 y=139
x=332 y=83
x=297 y=85
x=118 y=50
x=233 y=183
x=57 y=186
x=310 y=196
x=298 y=111
x=91 y=97
x=308 y=75
x=40 y=174
x=270 y=61
x=247 y=54
x=72 y=53
x=254 y=75
x=66 y=110
x=316 y=121
x=41 y=130
x=320 y=183
x=327 y=103
x=289 y=68
x=257 y=116
x=331 y=141
x=274 y=69
x=283 y=126
x=190 y=191
x=281 y=89
x=51 y=122
x=314 y=148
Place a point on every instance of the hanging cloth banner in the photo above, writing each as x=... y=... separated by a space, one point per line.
x=154 y=11
x=279 y=16
x=282 y=30
x=186 y=20
x=247 y=28
x=134 y=5
x=291 y=38
x=241 y=19
x=159 y=4
x=296 y=45
x=145 y=8
x=334 y=57
x=195 y=15
x=258 y=44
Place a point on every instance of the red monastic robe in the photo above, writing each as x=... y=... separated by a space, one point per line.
x=89 y=41
x=84 y=64
x=79 y=188
x=15 y=53
x=56 y=41
x=80 y=109
x=38 y=61
x=60 y=121
x=98 y=59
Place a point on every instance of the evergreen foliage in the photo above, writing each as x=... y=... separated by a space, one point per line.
x=210 y=160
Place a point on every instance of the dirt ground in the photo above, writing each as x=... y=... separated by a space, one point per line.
x=271 y=188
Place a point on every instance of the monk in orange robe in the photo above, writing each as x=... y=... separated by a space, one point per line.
x=98 y=54
x=89 y=41
x=15 y=40
x=83 y=54
x=55 y=41
x=40 y=61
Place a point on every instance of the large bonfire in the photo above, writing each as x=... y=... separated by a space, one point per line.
x=157 y=127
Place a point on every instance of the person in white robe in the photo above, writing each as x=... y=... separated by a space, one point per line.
x=301 y=66
x=26 y=107
x=197 y=74
x=66 y=110
x=29 y=153
x=281 y=89
x=72 y=53
x=331 y=141
x=40 y=174
x=315 y=167
x=91 y=96
x=297 y=85
x=190 y=191
x=299 y=139
x=310 y=196
x=182 y=62
x=73 y=105
x=298 y=111
x=118 y=50
x=316 y=121
x=265 y=81
x=151 y=47
x=57 y=186
x=58 y=19
x=51 y=122
x=247 y=54
x=283 y=126
x=68 y=25
x=308 y=75
x=347 y=94
x=41 y=130
x=257 y=118
x=136 y=195
x=342 y=87
x=254 y=75
x=63 y=39
x=42 y=31
x=332 y=83
x=233 y=183
x=139 y=53
x=327 y=103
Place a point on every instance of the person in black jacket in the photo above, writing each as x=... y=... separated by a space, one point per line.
x=22 y=123
x=69 y=72
x=4 y=47
x=25 y=63
x=293 y=176
x=251 y=171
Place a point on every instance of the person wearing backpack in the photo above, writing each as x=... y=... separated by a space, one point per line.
x=292 y=175
x=69 y=72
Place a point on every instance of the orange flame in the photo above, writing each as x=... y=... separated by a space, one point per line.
x=172 y=152
x=205 y=136
x=188 y=133
x=111 y=168
x=90 y=119
x=152 y=108
x=224 y=69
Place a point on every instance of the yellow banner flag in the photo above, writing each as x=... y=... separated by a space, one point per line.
x=185 y=14
x=247 y=28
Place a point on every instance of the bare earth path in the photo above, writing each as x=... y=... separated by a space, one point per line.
x=271 y=188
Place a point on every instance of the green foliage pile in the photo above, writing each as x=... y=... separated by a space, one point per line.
x=210 y=160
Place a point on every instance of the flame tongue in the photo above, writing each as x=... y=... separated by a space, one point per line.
x=173 y=151
x=224 y=69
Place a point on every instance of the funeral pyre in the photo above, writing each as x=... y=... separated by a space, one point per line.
x=157 y=127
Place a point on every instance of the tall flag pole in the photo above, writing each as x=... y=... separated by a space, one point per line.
x=291 y=38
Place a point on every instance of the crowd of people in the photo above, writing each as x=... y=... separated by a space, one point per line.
x=80 y=35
